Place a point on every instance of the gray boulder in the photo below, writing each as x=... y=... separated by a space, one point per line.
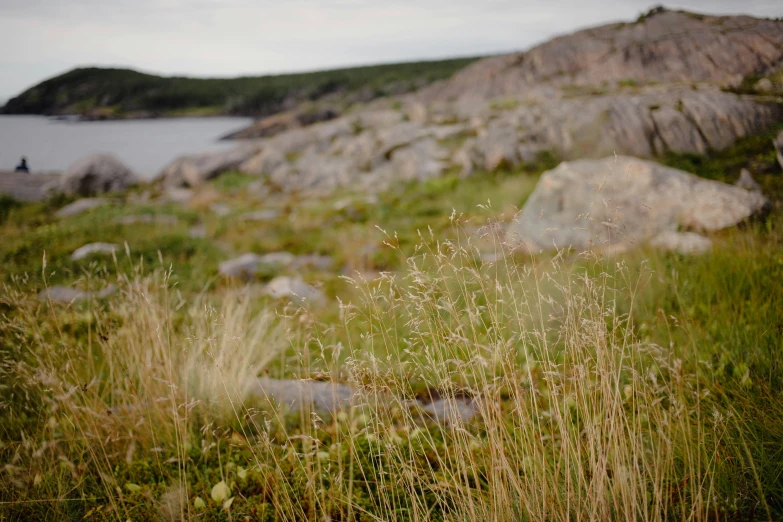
x=621 y=202
x=96 y=174
x=94 y=248
x=81 y=205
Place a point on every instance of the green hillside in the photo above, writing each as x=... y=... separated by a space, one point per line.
x=124 y=92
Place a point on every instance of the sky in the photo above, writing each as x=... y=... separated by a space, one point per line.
x=221 y=38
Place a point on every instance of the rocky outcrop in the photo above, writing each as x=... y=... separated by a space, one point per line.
x=778 y=142
x=642 y=89
x=618 y=203
x=96 y=174
x=284 y=121
x=663 y=47
x=375 y=148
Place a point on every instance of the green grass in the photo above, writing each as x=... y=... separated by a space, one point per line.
x=641 y=387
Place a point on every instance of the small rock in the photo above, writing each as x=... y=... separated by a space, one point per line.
x=67 y=295
x=685 y=243
x=94 y=248
x=296 y=394
x=82 y=205
x=268 y=214
x=243 y=267
x=764 y=85
x=148 y=218
x=220 y=209
x=197 y=231
x=451 y=411
x=178 y=195
x=278 y=258
x=295 y=289
x=747 y=182
x=314 y=260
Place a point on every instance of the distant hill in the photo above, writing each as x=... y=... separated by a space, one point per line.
x=111 y=93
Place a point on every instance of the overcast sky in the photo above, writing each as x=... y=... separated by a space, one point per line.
x=42 y=38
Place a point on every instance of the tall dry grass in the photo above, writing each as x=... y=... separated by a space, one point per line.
x=575 y=417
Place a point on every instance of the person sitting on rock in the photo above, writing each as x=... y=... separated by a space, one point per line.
x=22 y=167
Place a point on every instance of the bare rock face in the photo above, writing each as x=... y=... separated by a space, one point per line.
x=96 y=174
x=618 y=203
x=663 y=47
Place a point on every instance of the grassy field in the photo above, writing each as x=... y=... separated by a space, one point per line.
x=120 y=92
x=640 y=387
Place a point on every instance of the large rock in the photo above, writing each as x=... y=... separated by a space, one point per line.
x=96 y=174
x=195 y=170
x=621 y=202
